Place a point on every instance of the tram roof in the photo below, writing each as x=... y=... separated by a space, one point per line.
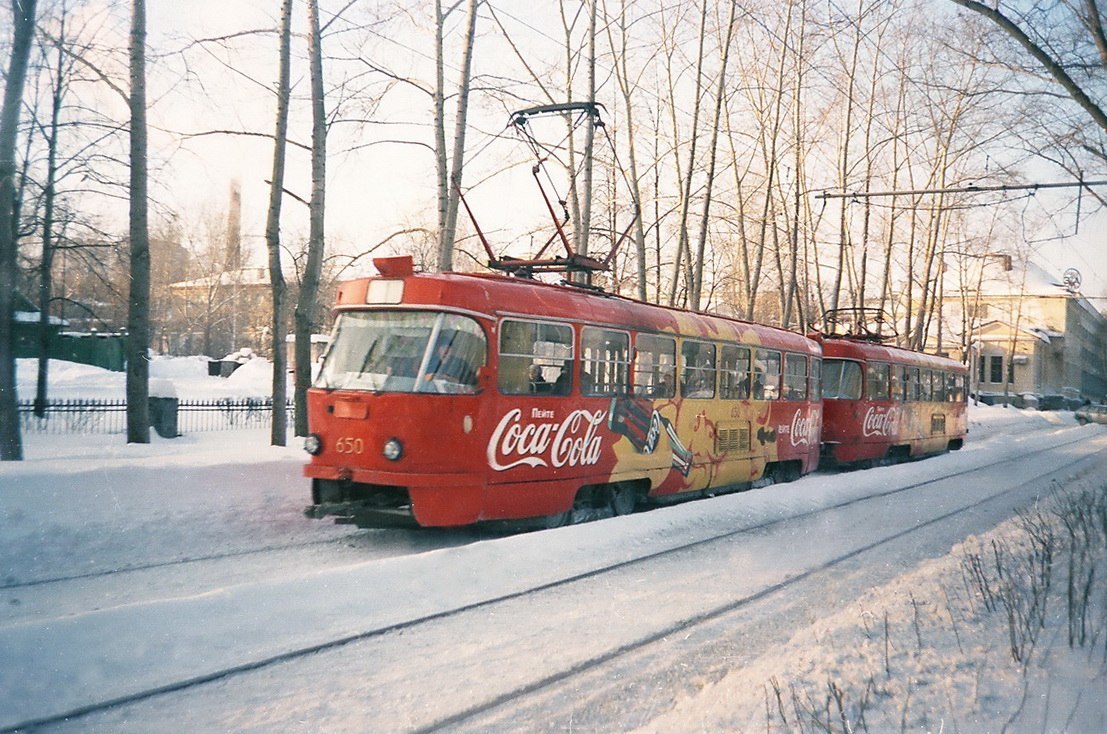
x=866 y=350
x=496 y=295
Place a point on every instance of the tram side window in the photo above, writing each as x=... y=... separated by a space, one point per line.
x=697 y=370
x=912 y=390
x=926 y=382
x=841 y=380
x=939 y=386
x=766 y=375
x=815 y=379
x=734 y=373
x=899 y=382
x=654 y=366
x=878 y=383
x=605 y=356
x=960 y=393
x=536 y=357
x=795 y=377
x=957 y=390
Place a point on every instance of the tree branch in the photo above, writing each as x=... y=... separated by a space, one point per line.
x=245 y=133
x=1051 y=65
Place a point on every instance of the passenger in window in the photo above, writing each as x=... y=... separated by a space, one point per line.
x=587 y=382
x=538 y=383
x=564 y=381
x=665 y=386
x=699 y=383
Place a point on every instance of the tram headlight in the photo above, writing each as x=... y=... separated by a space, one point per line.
x=313 y=444
x=393 y=449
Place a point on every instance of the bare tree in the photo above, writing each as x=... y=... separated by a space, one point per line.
x=1056 y=66
x=1068 y=41
x=61 y=71
x=628 y=87
x=683 y=254
x=23 y=28
x=138 y=311
x=307 y=302
x=696 y=287
x=278 y=430
x=583 y=232
x=449 y=191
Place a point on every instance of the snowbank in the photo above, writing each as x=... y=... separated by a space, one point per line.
x=182 y=377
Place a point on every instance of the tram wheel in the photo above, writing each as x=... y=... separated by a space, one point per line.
x=557 y=520
x=623 y=499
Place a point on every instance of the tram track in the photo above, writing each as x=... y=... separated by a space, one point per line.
x=30 y=583
x=705 y=616
x=412 y=540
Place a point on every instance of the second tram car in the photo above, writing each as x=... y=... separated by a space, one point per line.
x=883 y=404
x=450 y=399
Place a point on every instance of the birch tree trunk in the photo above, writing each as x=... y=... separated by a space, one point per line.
x=307 y=303
x=449 y=231
x=23 y=13
x=585 y=229
x=49 y=196
x=713 y=149
x=790 y=296
x=627 y=90
x=442 y=170
x=138 y=304
x=769 y=135
x=844 y=161
x=683 y=247
x=278 y=329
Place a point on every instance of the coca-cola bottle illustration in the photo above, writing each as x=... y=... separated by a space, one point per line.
x=637 y=419
x=633 y=417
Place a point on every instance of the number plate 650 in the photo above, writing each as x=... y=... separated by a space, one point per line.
x=349 y=445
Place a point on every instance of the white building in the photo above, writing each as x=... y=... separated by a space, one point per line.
x=1028 y=334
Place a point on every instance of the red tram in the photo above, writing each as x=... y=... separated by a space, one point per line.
x=451 y=399
x=883 y=404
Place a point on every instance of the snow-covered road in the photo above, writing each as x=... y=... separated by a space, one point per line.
x=143 y=569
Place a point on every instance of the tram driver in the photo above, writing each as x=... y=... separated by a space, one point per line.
x=449 y=363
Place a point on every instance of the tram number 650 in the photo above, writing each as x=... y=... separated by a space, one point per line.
x=348 y=445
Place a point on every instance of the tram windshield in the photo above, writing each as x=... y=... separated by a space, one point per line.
x=403 y=351
x=841 y=379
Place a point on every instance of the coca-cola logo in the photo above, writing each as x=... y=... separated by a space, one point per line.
x=653 y=435
x=804 y=430
x=879 y=422
x=571 y=442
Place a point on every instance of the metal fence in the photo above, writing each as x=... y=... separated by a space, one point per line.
x=110 y=416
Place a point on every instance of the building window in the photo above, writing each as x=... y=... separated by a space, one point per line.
x=995 y=369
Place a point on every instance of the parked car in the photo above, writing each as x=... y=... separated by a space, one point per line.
x=1091 y=414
